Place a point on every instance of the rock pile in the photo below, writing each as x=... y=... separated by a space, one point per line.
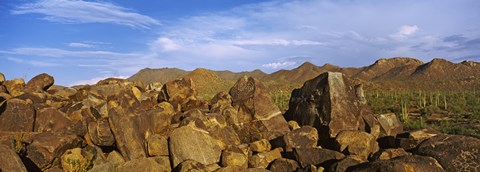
x=118 y=125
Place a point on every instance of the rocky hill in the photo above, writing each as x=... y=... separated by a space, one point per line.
x=399 y=73
x=119 y=125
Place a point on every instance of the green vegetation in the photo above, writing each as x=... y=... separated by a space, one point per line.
x=448 y=112
x=19 y=143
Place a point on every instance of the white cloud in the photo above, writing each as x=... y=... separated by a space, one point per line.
x=95 y=80
x=281 y=42
x=80 y=45
x=405 y=31
x=164 y=44
x=277 y=65
x=56 y=52
x=33 y=62
x=79 y=11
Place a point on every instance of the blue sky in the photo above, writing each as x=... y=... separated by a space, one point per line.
x=80 y=41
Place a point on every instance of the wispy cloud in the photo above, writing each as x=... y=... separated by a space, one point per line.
x=80 y=45
x=405 y=31
x=79 y=11
x=277 y=65
x=56 y=52
x=33 y=62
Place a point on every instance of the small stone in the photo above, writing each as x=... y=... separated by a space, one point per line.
x=305 y=137
x=293 y=125
x=191 y=165
x=389 y=154
x=157 y=145
x=115 y=158
x=237 y=159
x=284 y=165
x=357 y=143
x=390 y=125
x=74 y=160
x=262 y=145
x=262 y=160
x=317 y=156
x=141 y=164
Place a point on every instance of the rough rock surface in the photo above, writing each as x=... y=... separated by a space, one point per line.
x=390 y=125
x=305 y=137
x=40 y=83
x=189 y=143
x=317 y=156
x=142 y=164
x=257 y=110
x=15 y=87
x=9 y=160
x=329 y=101
x=357 y=143
x=404 y=163
x=17 y=115
x=453 y=152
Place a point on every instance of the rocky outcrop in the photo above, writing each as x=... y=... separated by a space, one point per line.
x=118 y=125
x=404 y=163
x=187 y=143
x=453 y=152
x=330 y=104
x=17 y=115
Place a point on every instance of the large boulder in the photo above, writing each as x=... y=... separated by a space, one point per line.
x=17 y=115
x=390 y=125
x=142 y=164
x=182 y=95
x=284 y=165
x=317 y=156
x=404 y=163
x=157 y=145
x=330 y=104
x=46 y=149
x=357 y=143
x=304 y=137
x=100 y=132
x=260 y=117
x=190 y=143
x=53 y=120
x=128 y=139
x=15 y=87
x=40 y=83
x=453 y=152
x=234 y=158
x=10 y=161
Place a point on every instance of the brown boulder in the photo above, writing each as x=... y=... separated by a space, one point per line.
x=404 y=163
x=329 y=101
x=389 y=154
x=47 y=148
x=189 y=143
x=141 y=164
x=317 y=156
x=390 y=125
x=128 y=139
x=2 y=78
x=76 y=160
x=410 y=140
x=346 y=164
x=17 y=115
x=15 y=87
x=100 y=132
x=9 y=159
x=157 y=145
x=220 y=102
x=357 y=143
x=284 y=165
x=262 y=145
x=305 y=137
x=182 y=95
x=453 y=152
x=40 y=83
x=233 y=158
x=190 y=166
x=262 y=160
x=53 y=120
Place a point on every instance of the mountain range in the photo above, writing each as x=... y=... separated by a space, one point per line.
x=399 y=73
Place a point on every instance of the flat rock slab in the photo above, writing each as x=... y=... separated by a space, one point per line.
x=453 y=152
x=189 y=143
